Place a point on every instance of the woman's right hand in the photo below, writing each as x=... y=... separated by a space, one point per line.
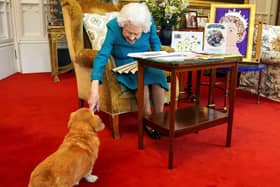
x=93 y=100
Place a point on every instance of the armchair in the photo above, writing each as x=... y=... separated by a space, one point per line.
x=114 y=98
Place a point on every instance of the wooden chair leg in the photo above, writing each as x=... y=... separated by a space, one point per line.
x=226 y=90
x=259 y=86
x=114 y=123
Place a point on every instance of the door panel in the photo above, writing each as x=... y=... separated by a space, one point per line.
x=8 y=64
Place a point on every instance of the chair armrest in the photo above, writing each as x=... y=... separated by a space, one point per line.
x=85 y=57
x=167 y=48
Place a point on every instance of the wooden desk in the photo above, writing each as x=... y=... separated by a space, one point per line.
x=56 y=33
x=175 y=122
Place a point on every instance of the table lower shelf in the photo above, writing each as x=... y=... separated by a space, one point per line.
x=187 y=120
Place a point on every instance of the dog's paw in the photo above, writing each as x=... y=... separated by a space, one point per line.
x=91 y=178
x=76 y=183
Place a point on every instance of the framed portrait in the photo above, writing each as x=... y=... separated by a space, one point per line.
x=191 y=19
x=239 y=19
x=201 y=21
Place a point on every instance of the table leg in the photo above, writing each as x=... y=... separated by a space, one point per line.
x=233 y=83
x=172 y=119
x=197 y=89
x=211 y=102
x=140 y=98
x=189 y=85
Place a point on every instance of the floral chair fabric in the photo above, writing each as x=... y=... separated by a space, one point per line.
x=270 y=55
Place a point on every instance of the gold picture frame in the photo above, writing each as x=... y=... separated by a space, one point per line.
x=244 y=14
x=207 y=3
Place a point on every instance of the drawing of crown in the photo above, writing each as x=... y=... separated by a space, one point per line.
x=238 y=15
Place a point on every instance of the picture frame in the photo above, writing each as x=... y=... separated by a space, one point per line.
x=201 y=21
x=244 y=14
x=191 y=19
x=54 y=13
x=207 y=3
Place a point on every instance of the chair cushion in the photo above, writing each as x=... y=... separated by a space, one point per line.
x=244 y=68
x=95 y=26
x=255 y=67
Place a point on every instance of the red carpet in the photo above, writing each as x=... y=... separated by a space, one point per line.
x=33 y=117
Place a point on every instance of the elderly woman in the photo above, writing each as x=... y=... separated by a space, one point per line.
x=132 y=31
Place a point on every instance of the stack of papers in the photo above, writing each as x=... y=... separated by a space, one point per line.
x=149 y=54
x=127 y=68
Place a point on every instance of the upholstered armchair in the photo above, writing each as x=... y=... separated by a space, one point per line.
x=114 y=98
x=270 y=56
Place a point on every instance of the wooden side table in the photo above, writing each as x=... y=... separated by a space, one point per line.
x=56 y=33
x=176 y=122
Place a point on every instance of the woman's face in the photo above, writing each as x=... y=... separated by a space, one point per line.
x=131 y=32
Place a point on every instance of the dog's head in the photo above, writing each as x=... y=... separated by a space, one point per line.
x=84 y=114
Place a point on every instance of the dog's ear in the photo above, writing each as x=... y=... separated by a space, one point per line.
x=98 y=124
x=71 y=118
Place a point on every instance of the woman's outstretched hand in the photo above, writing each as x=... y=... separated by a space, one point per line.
x=93 y=100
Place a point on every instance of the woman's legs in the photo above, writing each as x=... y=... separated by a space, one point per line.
x=158 y=101
x=147 y=103
x=158 y=97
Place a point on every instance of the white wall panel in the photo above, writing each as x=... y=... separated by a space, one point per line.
x=31 y=20
x=5 y=21
x=7 y=67
x=34 y=57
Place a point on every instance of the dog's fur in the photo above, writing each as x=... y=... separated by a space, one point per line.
x=75 y=157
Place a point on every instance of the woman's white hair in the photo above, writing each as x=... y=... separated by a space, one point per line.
x=137 y=14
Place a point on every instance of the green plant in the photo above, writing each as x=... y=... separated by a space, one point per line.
x=167 y=12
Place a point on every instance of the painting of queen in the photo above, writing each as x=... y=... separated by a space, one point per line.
x=240 y=22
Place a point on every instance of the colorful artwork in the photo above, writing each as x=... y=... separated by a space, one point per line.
x=240 y=22
x=183 y=41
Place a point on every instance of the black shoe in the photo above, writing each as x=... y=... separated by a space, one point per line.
x=152 y=133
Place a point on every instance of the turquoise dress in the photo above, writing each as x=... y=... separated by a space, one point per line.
x=116 y=45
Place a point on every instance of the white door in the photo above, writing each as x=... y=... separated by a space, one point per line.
x=23 y=37
x=31 y=34
x=8 y=63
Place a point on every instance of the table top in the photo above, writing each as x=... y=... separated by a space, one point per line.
x=203 y=60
